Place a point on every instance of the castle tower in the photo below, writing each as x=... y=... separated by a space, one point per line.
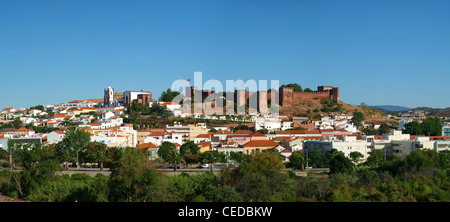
x=286 y=96
x=263 y=102
x=191 y=91
x=240 y=100
x=335 y=94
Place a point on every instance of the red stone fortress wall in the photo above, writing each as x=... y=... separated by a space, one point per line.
x=288 y=97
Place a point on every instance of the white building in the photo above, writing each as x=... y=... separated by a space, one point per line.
x=111 y=140
x=402 y=122
x=55 y=137
x=80 y=103
x=396 y=135
x=347 y=145
x=268 y=122
x=173 y=107
x=403 y=148
x=129 y=96
x=158 y=138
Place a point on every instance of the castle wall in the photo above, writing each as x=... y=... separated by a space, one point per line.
x=284 y=97
x=299 y=97
x=288 y=97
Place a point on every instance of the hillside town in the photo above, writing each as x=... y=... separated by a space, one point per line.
x=112 y=121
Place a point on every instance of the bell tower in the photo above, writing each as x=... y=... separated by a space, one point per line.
x=108 y=97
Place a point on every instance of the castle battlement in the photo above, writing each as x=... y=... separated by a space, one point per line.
x=286 y=95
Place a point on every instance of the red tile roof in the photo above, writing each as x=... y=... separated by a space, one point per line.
x=203 y=144
x=147 y=145
x=298 y=132
x=258 y=134
x=261 y=143
x=208 y=135
x=243 y=132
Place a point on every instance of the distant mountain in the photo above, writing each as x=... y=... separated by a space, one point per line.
x=435 y=111
x=392 y=108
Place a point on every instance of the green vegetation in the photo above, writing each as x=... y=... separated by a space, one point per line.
x=296 y=86
x=384 y=128
x=144 y=117
x=168 y=95
x=329 y=105
x=358 y=118
x=423 y=176
x=428 y=127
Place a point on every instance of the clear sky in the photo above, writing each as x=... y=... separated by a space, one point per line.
x=381 y=52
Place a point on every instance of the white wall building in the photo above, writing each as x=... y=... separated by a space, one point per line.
x=129 y=96
x=347 y=145
x=270 y=123
x=55 y=137
x=159 y=138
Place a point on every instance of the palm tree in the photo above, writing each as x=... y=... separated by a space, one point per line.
x=211 y=157
x=175 y=158
x=66 y=155
x=101 y=157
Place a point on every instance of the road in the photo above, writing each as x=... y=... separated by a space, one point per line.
x=193 y=171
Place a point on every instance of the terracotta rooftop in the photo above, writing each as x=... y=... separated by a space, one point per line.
x=261 y=143
x=258 y=134
x=147 y=145
x=298 y=132
x=206 y=135
x=243 y=132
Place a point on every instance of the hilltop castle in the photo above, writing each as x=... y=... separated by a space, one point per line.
x=259 y=101
x=285 y=96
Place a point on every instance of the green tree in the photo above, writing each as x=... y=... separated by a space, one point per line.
x=428 y=127
x=341 y=164
x=432 y=126
x=237 y=156
x=132 y=179
x=259 y=178
x=37 y=163
x=421 y=159
x=308 y=90
x=174 y=158
x=168 y=95
x=297 y=160
x=375 y=157
x=165 y=149
x=384 y=128
x=96 y=152
x=65 y=154
x=3 y=154
x=315 y=156
x=355 y=156
x=358 y=118
x=413 y=128
x=190 y=152
x=296 y=86
x=75 y=141
x=211 y=157
x=169 y=153
x=225 y=194
x=17 y=123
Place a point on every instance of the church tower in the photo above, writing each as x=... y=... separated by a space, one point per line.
x=108 y=97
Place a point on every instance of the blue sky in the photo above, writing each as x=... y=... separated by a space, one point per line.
x=383 y=52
